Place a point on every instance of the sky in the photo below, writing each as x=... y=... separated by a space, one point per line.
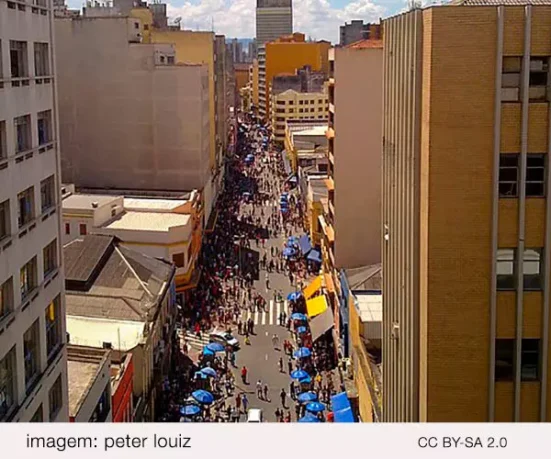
x=319 y=19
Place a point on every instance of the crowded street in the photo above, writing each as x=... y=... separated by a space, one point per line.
x=245 y=352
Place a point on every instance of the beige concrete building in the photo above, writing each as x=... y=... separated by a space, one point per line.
x=131 y=117
x=355 y=150
x=89 y=374
x=293 y=105
x=33 y=360
x=467 y=213
x=274 y=18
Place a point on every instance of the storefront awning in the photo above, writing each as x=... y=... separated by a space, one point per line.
x=314 y=286
x=304 y=244
x=340 y=402
x=316 y=306
x=321 y=323
x=315 y=256
x=345 y=415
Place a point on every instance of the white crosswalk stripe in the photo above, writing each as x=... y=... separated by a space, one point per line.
x=192 y=339
x=268 y=317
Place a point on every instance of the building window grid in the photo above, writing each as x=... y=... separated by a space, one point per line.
x=6 y=298
x=3 y=143
x=509 y=167
x=31 y=355
x=53 y=328
x=23 y=138
x=505 y=359
x=5 y=229
x=28 y=278
x=47 y=193
x=8 y=383
x=18 y=59
x=50 y=257
x=532 y=269
x=55 y=398
x=41 y=59
x=44 y=127
x=26 y=207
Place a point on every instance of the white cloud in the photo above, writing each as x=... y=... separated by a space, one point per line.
x=236 y=18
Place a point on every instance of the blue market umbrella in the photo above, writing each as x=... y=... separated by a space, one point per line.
x=215 y=347
x=199 y=375
x=309 y=418
x=307 y=397
x=207 y=351
x=298 y=316
x=306 y=380
x=203 y=396
x=189 y=410
x=302 y=330
x=294 y=296
x=302 y=352
x=315 y=407
x=208 y=371
x=299 y=374
x=288 y=252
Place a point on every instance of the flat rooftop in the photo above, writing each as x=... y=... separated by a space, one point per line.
x=83 y=367
x=145 y=204
x=318 y=130
x=370 y=307
x=84 y=201
x=148 y=221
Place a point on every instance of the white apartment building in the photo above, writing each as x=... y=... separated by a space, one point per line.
x=33 y=361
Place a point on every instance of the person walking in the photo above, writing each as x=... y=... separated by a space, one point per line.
x=266 y=393
x=245 y=402
x=275 y=341
x=280 y=363
x=292 y=389
x=283 y=397
x=290 y=366
x=244 y=372
x=259 y=389
x=238 y=402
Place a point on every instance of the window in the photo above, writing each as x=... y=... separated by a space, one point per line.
x=5 y=229
x=170 y=60
x=31 y=354
x=291 y=110
x=47 y=193
x=82 y=229
x=162 y=59
x=67 y=228
x=6 y=297
x=146 y=27
x=539 y=69
x=530 y=361
x=26 y=206
x=38 y=415
x=504 y=360
x=178 y=259
x=509 y=175
x=312 y=110
x=53 y=328
x=535 y=176
x=18 y=59
x=55 y=398
x=3 y=145
x=300 y=110
x=510 y=79
x=50 y=257
x=280 y=110
x=28 y=278
x=41 y=63
x=8 y=383
x=505 y=269
x=532 y=269
x=136 y=25
x=23 y=140
x=44 y=126
x=301 y=102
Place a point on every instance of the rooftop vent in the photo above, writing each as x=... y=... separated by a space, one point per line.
x=95 y=204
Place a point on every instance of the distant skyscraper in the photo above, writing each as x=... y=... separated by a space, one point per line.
x=274 y=18
x=358 y=30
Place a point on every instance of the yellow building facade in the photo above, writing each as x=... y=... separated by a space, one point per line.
x=466 y=214
x=253 y=81
x=287 y=54
x=293 y=105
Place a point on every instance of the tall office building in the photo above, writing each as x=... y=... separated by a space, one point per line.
x=466 y=213
x=33 y=357
x=274 y=18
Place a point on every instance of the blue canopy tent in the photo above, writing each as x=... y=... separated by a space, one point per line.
x=200 y=375
x=208 y=371
x=289 y=252
x=307 y=397
x=301 y=330
x=298 y=316
x=304 y=244
x=299 y=374
x=203 y=396
x=215 y=347
x=302 y=352
x=189 y=410
x=207 y=351
x=315 y=407
x=314 y=256
x=342 y=411
x=305 y=380
x=294 y=296
x=309 y=418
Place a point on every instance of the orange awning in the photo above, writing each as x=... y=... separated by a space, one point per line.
x=194 y=280
x=316 y=305
x=312 y=288
x=330 y=184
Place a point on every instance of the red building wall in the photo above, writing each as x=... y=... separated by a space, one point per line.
x=122 y=395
